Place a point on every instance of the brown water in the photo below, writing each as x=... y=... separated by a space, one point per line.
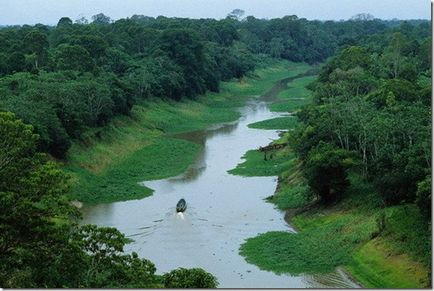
x=223 y=210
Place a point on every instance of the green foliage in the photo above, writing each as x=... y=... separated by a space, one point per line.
x=368 y=100
x=32 y=245
x=52 y=136
x=189 y=278
x=424 y=196
x=17 y=148
x=275 y=123
x=372 y=98
x=101 y=19
x=407 y=231
x=64 y=22
x=108 y=267
x=73 y=57
x=370 y=110
x=41 y=244
x=84 y=75
x=301 y=40
x=349 y=235
x=326 y=171
x=101 y=164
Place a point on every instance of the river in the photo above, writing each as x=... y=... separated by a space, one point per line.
x=223 y=210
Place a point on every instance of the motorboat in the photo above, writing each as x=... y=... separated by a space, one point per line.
x=181 y=206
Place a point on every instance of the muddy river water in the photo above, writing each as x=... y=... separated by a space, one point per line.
x=223 y=210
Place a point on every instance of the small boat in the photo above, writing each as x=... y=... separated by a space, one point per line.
x=181 y=206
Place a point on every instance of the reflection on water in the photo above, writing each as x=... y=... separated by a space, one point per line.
x=200 y=137
x=223 y=210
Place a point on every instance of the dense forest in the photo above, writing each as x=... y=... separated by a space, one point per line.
x=67 y=78
x=371 y=112
x=355 y=170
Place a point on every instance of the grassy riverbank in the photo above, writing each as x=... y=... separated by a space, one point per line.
x=109 y=163
x=275 y=123
x=381 y=247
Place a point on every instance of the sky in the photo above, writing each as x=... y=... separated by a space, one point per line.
x=14 y=12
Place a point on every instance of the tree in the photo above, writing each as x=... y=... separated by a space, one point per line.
x=236 y=14
x=94 y=44
x=362 y=17
x=185 y=49
x=4 y=68
x=16 y=62
x=189 y=278
x=326 y=171
x=42 y=246
x=108 y=266
x=393 y=55
x=52 y=136
x=424 y=196
x=37 y=42
x=73 y=57
x=82 y=20
x=100 y=18
x=64 y=22
x=17 y=144
x=276 y=47
x=33 y=214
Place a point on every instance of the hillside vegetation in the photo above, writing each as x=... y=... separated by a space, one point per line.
x=102 y=100
x=358 y=187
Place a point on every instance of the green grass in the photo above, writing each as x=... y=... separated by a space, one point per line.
x=108 y=163
x=348 y=234
x=289 y=100
x=291 y=196
x=377 y=265
x=255 y=165
x=289 y=106
x=188 y=115
x=297 y=88
x=307 y=252
x=400 y=257
x=295 y=96
x=162 y=159
x=407 y=232
x=286 y=122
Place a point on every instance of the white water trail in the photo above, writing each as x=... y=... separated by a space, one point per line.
x=180 y=215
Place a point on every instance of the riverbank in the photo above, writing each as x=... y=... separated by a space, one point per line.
x=380 y=247
x=109 y=163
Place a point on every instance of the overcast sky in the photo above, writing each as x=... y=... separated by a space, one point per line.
x=49 y=11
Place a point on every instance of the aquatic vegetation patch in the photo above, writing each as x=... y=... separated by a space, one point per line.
x=188 y=115
x=381 y=247
x=263 y=164
x=164 y=158
x=297 y=88
x=314 y=250
x=281 y=123
x=295 y=96
x=289 y=106
x=284 y=252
